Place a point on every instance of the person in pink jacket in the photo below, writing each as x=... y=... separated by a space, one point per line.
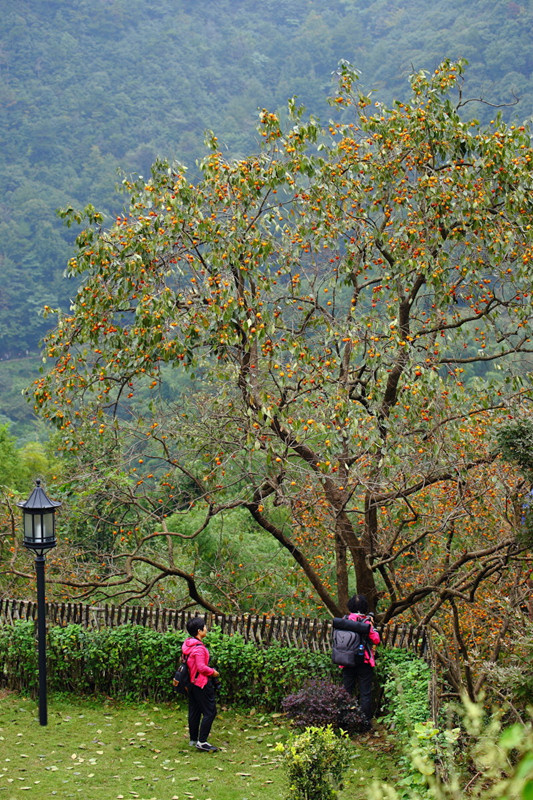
x=363 y=673
x=202 y=703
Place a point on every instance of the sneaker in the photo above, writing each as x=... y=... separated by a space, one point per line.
x=192 y=742
x=206 y=747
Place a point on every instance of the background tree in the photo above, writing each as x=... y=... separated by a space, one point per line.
x=14 y=471
x=354 y=305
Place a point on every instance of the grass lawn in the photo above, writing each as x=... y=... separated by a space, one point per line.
x=103 y=750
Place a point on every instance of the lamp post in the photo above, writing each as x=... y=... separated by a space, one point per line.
x=39 y=536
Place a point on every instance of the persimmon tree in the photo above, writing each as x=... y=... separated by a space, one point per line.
x=354 y=303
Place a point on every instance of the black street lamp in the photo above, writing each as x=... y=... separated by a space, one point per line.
x=39 y=536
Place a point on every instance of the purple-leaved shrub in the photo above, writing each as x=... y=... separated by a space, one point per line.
x=321 y=703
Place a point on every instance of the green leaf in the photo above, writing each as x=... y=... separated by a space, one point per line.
x=527 y=791
x=512 y=736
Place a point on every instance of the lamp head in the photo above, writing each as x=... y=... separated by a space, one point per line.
x=39 y=520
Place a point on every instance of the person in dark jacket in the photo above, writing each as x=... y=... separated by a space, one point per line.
x=202 y=704
x=363 y=674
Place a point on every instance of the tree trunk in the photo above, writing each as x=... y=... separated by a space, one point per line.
x=341 y=568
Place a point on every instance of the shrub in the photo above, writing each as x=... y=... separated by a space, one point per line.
x=323 y=703
x=18 y=657
x=252 y=675
x=499 y=761
x=315 y=759
x=405 y=682
x=405 y=685
x=511 y=679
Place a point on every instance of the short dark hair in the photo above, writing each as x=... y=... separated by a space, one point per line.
x=358 y=604
x=195 y=624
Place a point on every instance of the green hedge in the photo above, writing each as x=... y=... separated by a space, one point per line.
x=133 y=662
x=137 y=663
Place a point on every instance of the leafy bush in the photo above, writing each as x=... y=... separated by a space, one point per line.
x=511 y=678
x=323 y=703
x=315 y=759
x=128 y=661
x=18 y=657
x=516 y=445
x=405 y=680
x=515 y=441
x=498 y=759
x=251 y=675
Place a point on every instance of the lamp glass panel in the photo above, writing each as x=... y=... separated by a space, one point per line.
x=28 y=527
x=38 y=533
x=48 y=525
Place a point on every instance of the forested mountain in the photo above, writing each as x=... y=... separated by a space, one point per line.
x=92 y=87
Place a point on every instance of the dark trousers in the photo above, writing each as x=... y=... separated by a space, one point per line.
x=202 y=711
x=362 y=676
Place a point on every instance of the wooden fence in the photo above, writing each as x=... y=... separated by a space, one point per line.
x=312 y=634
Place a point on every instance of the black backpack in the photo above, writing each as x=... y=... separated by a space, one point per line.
x=182 y=679
x=349 y=641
